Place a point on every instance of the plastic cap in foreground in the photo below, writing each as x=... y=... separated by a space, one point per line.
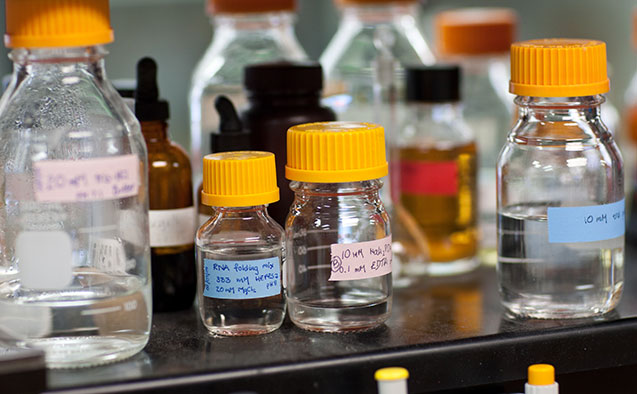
x=541 y=375
x=391 y=373
x=239 y=179
x=249 y=6
x=558 y=67
x=336 y=152
x=57 y=23
x=475 y=31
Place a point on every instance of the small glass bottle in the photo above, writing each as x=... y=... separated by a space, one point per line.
x=75 y=267
x=370 y=32
x=240 y=250
x=245 y=32
x=436 y=182
x=392 y=380
x=541 y=380
x=478 y=39
x=560 y=186
x=231 y=136
x=172 y=212
x=281 y=95
x=338 y=236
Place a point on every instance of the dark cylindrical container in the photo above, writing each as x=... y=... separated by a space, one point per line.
x=282 y=95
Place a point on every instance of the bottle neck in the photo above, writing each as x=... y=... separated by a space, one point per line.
x=256 y=211
x=559 y=109
x=249 y=24
x=438 y=112
x=155 y=131
x=370 y=187
x=311 y=100
x=31 y=61
x=375 y=14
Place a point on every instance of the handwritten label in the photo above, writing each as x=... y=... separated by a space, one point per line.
x=244 y=279
x=361 y=260
x=172 y=227
x=87 y=179
x=429 y=178
x=586 y=224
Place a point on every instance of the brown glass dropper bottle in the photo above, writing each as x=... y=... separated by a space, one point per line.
x=172 y=213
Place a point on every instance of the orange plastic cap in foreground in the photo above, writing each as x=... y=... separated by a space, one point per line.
x=475 y=31
x=541 y=375
x=239 y=179
x=336 y=152
x=57 y=23
x=249 y=6
x=558 y=67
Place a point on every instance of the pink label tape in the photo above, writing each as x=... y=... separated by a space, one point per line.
x=87 y=179
x=361 y=260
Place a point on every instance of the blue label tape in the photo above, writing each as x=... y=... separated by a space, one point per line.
x=586 y=224
x=241 y=279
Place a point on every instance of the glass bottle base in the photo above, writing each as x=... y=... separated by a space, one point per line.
x=455 y=267
x=242 y=330
x=323 y=316
x=77 y=352
x=547 y=307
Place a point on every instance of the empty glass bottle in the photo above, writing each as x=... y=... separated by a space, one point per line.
x=437 y=167
x=246 y=32
x=338 y=237
x=74 y=277
x=172 y=212
x=560 y=186
x=240 y=250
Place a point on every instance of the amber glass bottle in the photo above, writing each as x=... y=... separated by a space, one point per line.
x=172 y=214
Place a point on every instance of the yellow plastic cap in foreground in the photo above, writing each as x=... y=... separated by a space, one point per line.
x=558 y=67
x=391 y=373
x=239 y=179
x=541 y=375
x=57 y=23
x=336 y=152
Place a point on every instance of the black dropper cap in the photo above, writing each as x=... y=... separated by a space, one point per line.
x=283 y=77
x=231 y=136
x=148 y=106
x=433 y=84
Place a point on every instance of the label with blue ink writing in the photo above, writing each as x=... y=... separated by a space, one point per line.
x=586 y=224
x=241 y=279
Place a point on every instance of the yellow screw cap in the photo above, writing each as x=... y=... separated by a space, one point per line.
x=239 y=179
x=391 y=373
x=336 y=152
x=57 y=23
x=541 y=375
x=558 y=67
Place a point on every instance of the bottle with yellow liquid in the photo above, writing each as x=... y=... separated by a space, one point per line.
x=435 y=170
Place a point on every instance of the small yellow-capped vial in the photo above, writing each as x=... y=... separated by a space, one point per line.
x=338 y=237
x=541 y=380
x=240 y=249
x=392 y=380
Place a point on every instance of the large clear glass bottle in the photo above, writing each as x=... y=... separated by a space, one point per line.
x=478 y=39
x=241 y=249
x=172 y=211
x=74 y=274
x=338 y=236
x=437 y=167
x=245 y=32
x=369 y=32
x=560 y=186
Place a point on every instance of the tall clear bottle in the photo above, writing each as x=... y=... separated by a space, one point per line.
x=364 y=82
x=245 y=32
x=560 y=186
x=478 y=39
x=74 y=277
